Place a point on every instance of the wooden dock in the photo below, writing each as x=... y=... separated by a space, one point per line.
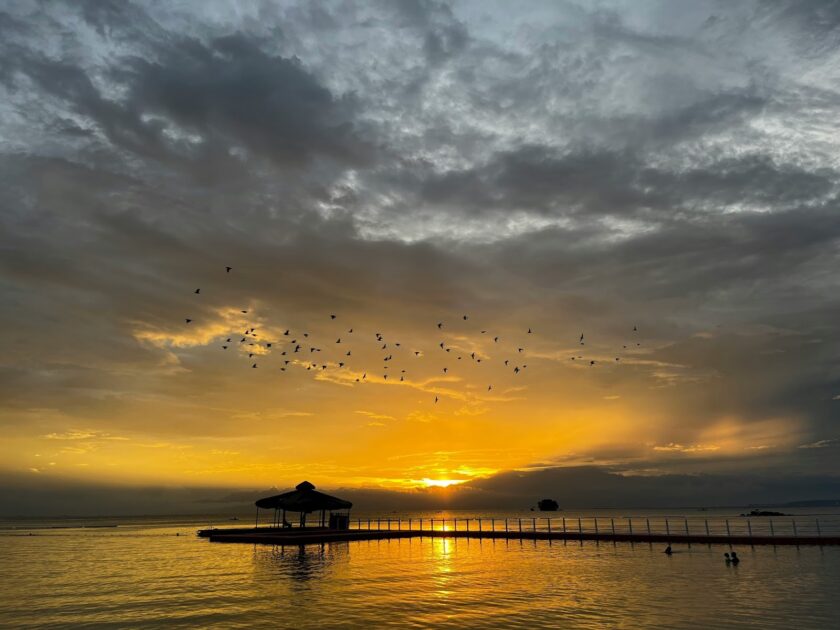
x=315 y=536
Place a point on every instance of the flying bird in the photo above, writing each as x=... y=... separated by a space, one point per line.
x=440 y=325
x=188 y=320
x=198 y=290
x=332 y=316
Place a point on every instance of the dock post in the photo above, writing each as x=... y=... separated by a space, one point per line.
x=409 y=524
x=772 y=533
x=596 y=526
x=612 y=525
x=506 y=526
x=534 y=524
x=564 y=525
x=667 y=527
x=580 y=527
x=819 y=533
x=257 y=520
x=549 y=524
x=795 y=534
x=707 y=526
x=749 y=527
x=647 y=520
x=520 y=525
x=389 y=523
x=686 y=527
x=728 y=533
x=492 y=524
x=630 y=524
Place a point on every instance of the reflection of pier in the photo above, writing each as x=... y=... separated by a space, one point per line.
x=787 y=531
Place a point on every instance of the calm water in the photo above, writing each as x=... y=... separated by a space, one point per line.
x=143 y=574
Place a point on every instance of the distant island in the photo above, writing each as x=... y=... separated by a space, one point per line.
x=764 y=513
x=548 y=505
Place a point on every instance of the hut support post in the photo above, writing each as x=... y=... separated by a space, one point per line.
x=257 y=520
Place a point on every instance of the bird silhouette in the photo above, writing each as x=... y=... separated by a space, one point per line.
x=228 y=269
x=332 y=316
x=224 y=347
x=440 y=325
x=188 y=320
x=198 y=291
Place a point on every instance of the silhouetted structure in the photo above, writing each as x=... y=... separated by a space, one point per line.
x=305 y=499
x=548 y=505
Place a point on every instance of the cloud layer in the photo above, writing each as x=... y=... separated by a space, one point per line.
x=562 y=166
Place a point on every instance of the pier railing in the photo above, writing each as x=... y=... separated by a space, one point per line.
x=677 y=526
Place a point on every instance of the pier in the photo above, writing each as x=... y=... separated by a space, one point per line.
x=724 y=531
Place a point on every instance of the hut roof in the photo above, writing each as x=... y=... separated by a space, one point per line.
x=304 y=498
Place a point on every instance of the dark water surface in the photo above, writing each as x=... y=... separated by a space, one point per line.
x=141 y=574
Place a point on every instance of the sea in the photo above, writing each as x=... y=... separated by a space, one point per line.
x=149 y=572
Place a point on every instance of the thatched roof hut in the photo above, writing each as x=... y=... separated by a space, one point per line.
x=304 y=499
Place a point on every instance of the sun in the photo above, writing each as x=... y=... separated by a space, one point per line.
x=441 y=483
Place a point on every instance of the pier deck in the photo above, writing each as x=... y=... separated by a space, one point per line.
x=288 y=537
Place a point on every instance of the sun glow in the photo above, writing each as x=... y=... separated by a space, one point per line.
x=441 y=483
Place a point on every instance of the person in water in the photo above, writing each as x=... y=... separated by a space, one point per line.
x=735 y=558
x=668 y=550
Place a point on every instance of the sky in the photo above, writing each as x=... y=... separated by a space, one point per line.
x=660 y=178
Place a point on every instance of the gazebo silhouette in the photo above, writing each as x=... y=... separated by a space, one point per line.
x=305 y=499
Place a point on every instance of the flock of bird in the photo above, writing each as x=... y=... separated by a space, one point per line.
x=298 y=349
